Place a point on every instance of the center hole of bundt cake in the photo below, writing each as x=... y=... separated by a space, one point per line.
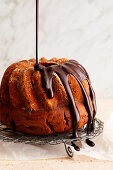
x=48 y=64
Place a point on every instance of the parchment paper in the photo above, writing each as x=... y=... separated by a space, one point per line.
x=103 y=149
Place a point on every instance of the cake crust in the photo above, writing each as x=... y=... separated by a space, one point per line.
x=25 y=107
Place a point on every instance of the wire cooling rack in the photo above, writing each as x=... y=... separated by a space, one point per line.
x=9 y=135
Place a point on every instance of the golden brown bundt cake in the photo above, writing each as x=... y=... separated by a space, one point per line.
x=25 y=107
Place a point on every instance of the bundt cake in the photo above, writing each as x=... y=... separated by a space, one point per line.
x=54 y=99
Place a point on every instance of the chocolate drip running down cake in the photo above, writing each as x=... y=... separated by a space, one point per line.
x=57 y=97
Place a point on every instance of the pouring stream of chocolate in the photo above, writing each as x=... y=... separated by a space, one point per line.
x=63 y=71
x=37 y=31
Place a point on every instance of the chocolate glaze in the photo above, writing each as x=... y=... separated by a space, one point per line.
x=7 y=115
x=75 y=146
x=12 y=123
x=37 y=31
x=63 y=71
x=90 y=143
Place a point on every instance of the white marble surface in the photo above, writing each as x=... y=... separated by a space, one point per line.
x=77 y=29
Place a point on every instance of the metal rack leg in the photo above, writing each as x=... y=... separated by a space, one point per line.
x=68 y=150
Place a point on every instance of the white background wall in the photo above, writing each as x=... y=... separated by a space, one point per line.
x=77 y=29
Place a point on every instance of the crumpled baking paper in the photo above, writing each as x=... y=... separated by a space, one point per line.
x=103 y=144
x=103 y=149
